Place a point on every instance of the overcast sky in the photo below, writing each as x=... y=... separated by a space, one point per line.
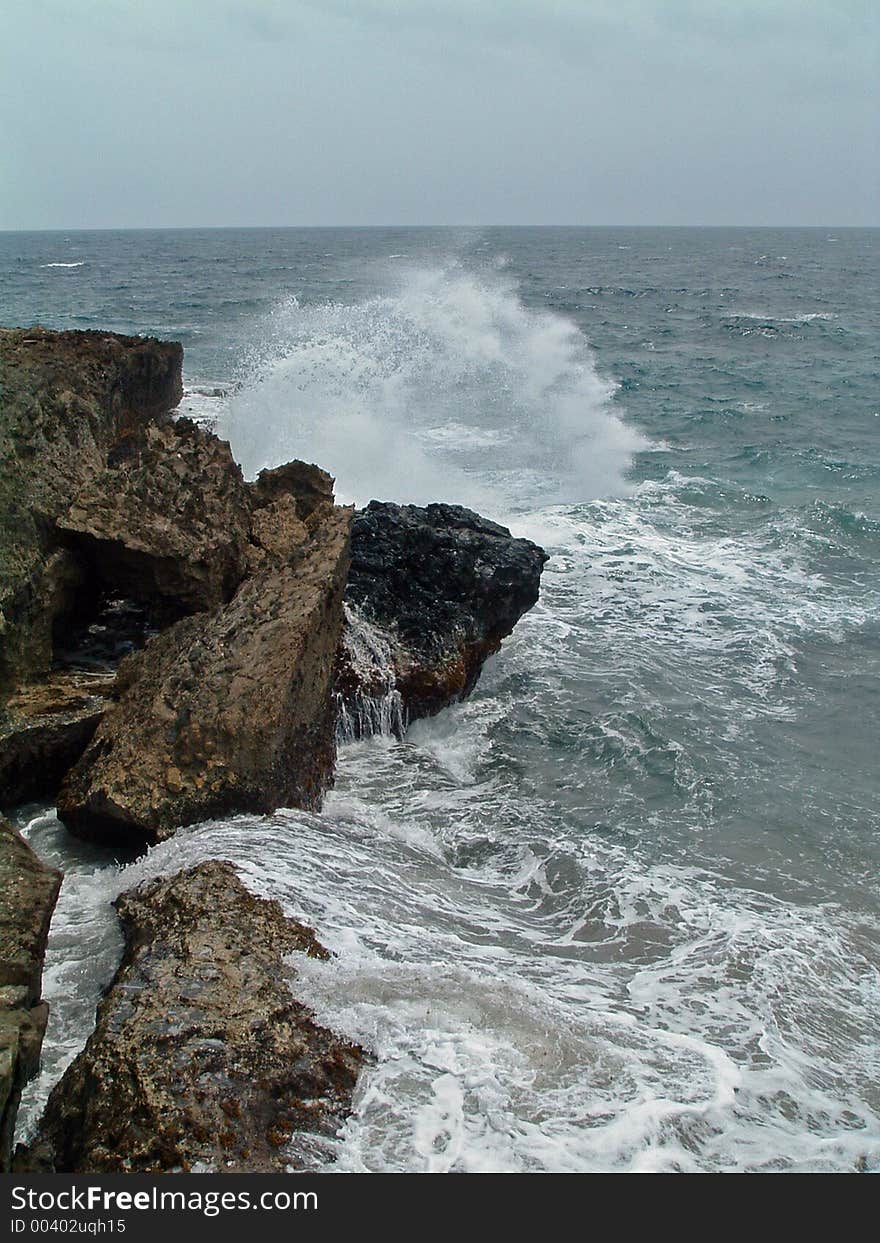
x=138 y=113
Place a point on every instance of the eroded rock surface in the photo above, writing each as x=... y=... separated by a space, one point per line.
x=66 y=398
x=105 y=497
x=201 y=1055
x=223 y=712
x=309 y=484
x=28 y=891
x=439 y=588
x=44 y=728
x=168 y=519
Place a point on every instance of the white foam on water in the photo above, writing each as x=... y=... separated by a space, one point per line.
x=657 y=566
x=536 y=997
x=79 y=264
x=81 y=956
x=376 y=707
x=617 y=1016
x=204 y=403
x=782 y=319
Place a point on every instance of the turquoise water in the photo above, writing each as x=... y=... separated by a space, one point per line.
x=620 y=910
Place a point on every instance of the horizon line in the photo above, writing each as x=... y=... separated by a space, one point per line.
x=204 y=228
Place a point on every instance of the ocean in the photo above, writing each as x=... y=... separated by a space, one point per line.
x=619 y=910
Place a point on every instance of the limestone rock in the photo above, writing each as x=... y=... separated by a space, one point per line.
x=28 y=891
x=44 y=728
x=66 y=398
x=223 y=712
x=201 y=1054
x=308 y=484
x=168 y=519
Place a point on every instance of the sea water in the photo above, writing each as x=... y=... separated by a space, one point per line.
x=619 y=910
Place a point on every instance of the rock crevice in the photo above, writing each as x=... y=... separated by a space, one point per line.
x=66 y=399
x=225 y=712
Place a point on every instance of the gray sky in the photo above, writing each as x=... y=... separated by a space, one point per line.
x=127 y=113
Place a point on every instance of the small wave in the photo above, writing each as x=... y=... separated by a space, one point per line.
x=79 y=264
x=850 y=523
x=782 y=319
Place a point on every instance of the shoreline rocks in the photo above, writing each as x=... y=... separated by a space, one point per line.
x=176 y=645
x=28 y=892
x=201 y=1055
x=231 y=706
x=166 y=521
x=44 y=728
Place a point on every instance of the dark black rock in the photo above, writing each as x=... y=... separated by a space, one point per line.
x=446 y=586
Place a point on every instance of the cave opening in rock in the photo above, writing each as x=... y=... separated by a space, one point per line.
x=101 y=628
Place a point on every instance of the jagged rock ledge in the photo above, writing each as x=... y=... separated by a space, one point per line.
x=66 y=399
x=28 y=891
x=228 y=710
x=106 y=497
x=201 y=1056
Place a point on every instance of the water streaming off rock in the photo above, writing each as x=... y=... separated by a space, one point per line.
x=378 y=709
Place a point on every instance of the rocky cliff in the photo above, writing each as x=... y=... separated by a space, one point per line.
x=173 y=648
x=224 y=711
x=66 y=399
x=28 y=891
x=103 y=498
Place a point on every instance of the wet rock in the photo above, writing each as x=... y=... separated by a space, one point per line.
x=66 y=398
x=225 y=712
x=44 y=728
x=168 y=519
x=28 y=891
x=201 y=1055
x=438 y=589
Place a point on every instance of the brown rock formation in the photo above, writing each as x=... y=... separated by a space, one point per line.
x=28 y=891
x=223 y=712
x=104 y=499
x=167 y=520
x=65 y=400
x=312 y=487
x=201 y=1054
x=44 y=727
